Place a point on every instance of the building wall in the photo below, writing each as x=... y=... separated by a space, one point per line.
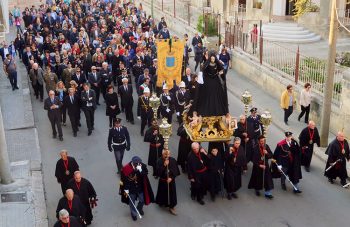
x=4 y=16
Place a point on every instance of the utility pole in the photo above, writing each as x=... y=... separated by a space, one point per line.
x=152 y=5
x=328 y=88
x=5 y=173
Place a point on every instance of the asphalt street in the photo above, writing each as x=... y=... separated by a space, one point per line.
x=320 y=204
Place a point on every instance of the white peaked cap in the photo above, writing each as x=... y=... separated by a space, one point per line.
x=125 y=79
x=182 y=84
x=165 y=86
x=146 y=90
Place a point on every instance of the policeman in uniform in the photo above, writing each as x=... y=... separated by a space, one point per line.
x=166 y=104
x=254 y=120
x=118 y=141
x=182 y=98
x=146 y=111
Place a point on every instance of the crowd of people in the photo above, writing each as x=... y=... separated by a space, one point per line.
x=78 y=50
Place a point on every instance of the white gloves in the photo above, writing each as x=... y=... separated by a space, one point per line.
x=167 y=110
x=126 y=191
x=139 y=168
x=168 y=97
x=279 y=167
x=178 y=113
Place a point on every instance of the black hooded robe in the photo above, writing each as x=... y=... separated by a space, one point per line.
x=307 y=138
x=334 y=151
x=235 y=162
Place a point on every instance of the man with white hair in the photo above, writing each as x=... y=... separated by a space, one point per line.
x=73 y=205
x=65 y=220
x=126 y=99
x=146 y=111
x=36 y=75
x=66 y=166
x=338 y=152
x=197 y=162
x=53 y=106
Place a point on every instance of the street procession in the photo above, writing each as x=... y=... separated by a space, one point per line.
x=173 y=135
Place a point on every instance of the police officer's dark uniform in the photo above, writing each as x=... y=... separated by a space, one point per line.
x=118 y=141
x=166 y=104
x=255 y=121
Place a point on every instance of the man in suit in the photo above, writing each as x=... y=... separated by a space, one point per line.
x=72 y=104
x=118 y=141
x=187 y=77
x=27 y=56
x=53 y=105
x=146 y=111
x=87 y=62
x=88 y=98
x=127 y=101
x=36 y=75
x=79 y=78
x=196 y=39
x=5 y=50
x=94 y=79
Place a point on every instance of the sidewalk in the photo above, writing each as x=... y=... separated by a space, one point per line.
x=27 y=206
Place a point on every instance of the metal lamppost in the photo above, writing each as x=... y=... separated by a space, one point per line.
x=165 y=129
x=266 y=120
x=154 y=103
x=247 y=100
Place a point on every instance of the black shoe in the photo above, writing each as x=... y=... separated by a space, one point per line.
x=298 y=118
x=141 y=211
x=110 y=125
x=79 y=125
x=98 y=104
x=16 y=87
x=41 y=100
x=297 y=191
x=330 y=180
x=307 y=169
x=269 y=196
x=229 y=197
x=257 y=193
x=54 y=136
x=64 y=124
x=134 y=218
x=343 y=183
x=74 y=134
x=142 y=134
x=286 y=122
x=234 y=195
x=212 y=197
x=193 y=197
x=61 y=138
x=283 y=186
x=132 y=122
x=13 y=88
x=89 y=133
x=37 y=97
x=201 y=202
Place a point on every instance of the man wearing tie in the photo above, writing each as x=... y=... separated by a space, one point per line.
x=79 y=78
x=53 y=105
x=146 y=111
x=88 y=98
x=72 y=104
x=127 y=101
x=94 y=79
x=118 y=141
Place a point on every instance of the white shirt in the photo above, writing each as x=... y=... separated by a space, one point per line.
x=305 y=98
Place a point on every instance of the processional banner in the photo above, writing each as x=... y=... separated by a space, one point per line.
x=170 y=55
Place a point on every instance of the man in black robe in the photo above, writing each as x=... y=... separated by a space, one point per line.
x=307 y=138
x=184 y=148
x=73 y=205
x=215 y=170
x=135 y=185
x=156 y=141
x=65 y=220
x=86 y=192
x=288 y=157
x=235 y=162
x=167 y=170
x=261 y=174
x=65 y=168
x=246 y=133
x=197 y=162
x=212 y=96
x=338 y=152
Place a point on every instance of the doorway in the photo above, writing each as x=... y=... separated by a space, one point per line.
x=290 y=6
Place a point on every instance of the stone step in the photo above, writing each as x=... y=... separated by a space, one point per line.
x=286 y=32
x=286 y=40
x=290 y=36
x=279 y=28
